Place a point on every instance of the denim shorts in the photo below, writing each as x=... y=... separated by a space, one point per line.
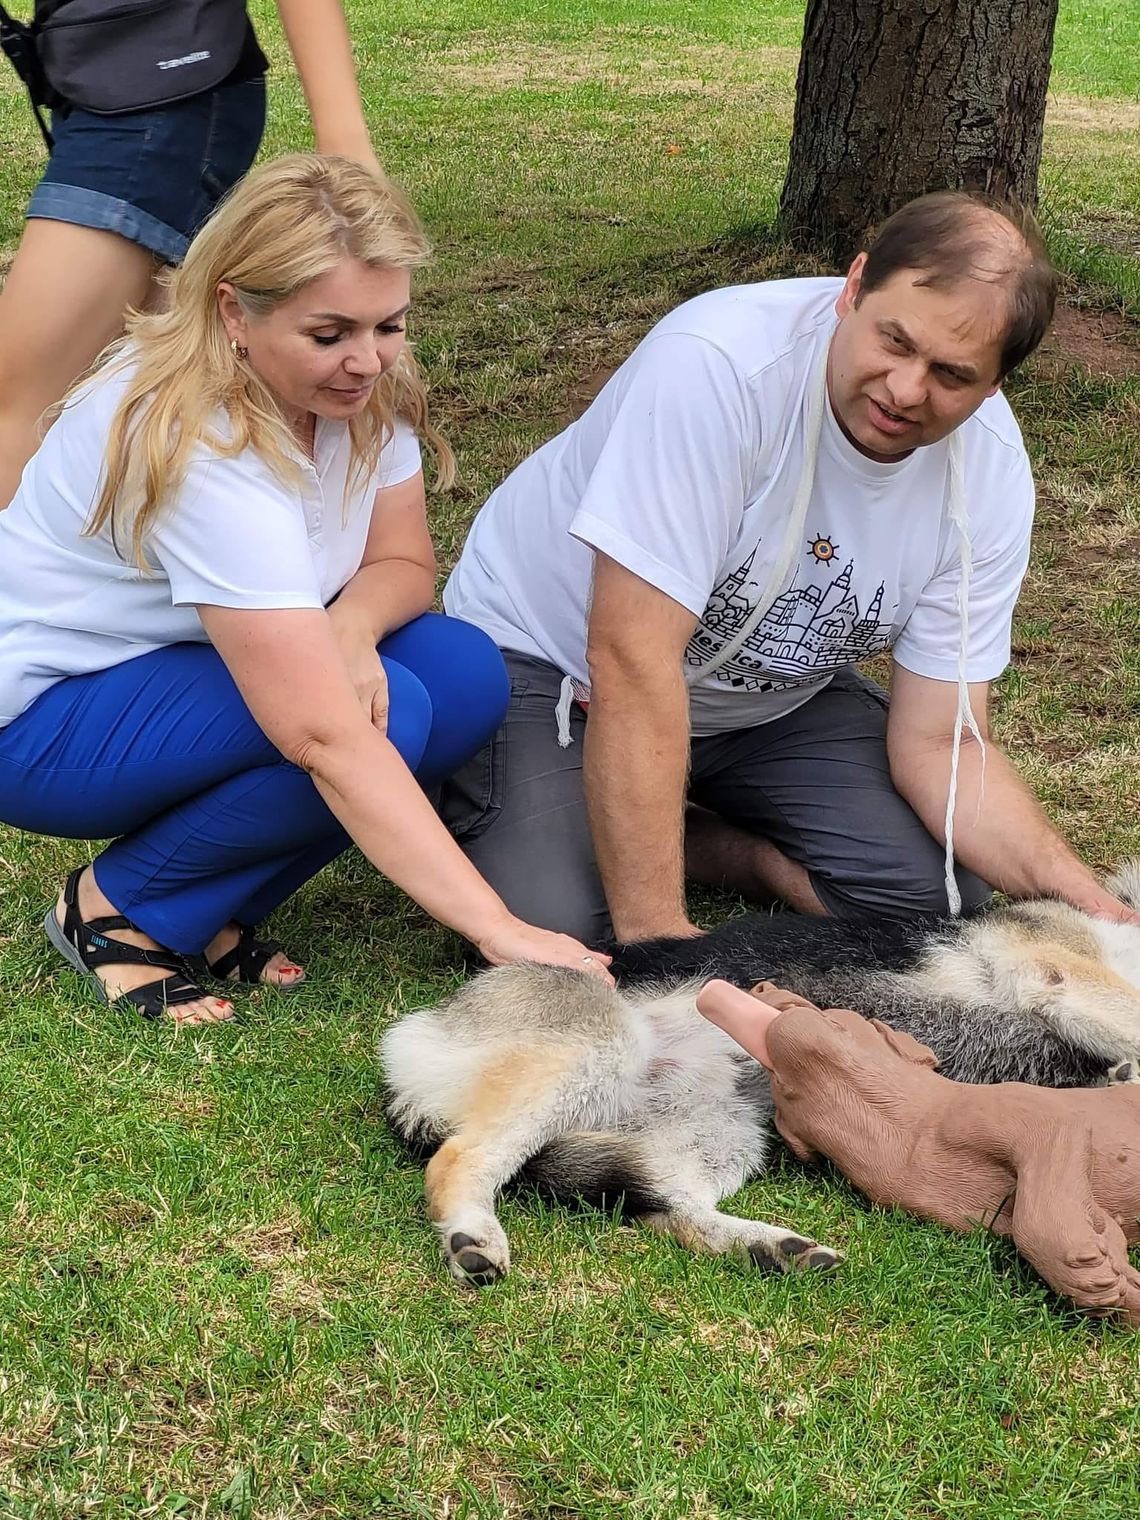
x=152 y=176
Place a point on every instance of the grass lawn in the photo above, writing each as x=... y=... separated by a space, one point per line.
x=218 y=1295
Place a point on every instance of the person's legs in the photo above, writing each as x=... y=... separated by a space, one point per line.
x=814 y=788
x=722 y=854
x=62 y=302
x=215 y=827
x=107 y=754
x=163 y=752
x=518 y=811
x=232 y=850
x=801 y=810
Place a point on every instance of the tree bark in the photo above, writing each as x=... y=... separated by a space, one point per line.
x=897 y=97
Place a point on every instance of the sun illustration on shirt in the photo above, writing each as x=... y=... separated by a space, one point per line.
x=823 y=549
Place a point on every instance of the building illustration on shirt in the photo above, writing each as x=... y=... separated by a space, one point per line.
x=806 y=633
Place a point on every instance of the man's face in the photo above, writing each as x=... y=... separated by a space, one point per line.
x=909 y=364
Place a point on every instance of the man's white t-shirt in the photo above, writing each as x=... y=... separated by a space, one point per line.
x=236 y=536
x=685 y=469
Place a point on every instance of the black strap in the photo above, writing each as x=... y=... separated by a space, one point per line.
x=18 y=41
x=249 y=957
x=89 y=936
x=45 y=130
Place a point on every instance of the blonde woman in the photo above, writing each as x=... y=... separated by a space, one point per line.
x=215 y=577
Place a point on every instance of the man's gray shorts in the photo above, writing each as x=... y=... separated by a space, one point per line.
x=815 y=783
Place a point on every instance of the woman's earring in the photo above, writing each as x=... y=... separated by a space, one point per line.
x=237 y=350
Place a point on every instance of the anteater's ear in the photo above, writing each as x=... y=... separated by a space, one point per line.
x=907 y=1046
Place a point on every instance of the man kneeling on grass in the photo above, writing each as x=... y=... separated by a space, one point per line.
x=783 y=479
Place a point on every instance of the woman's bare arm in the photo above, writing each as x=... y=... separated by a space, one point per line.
x=289 y=670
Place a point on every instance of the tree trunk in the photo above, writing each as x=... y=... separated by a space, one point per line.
x=897 y=97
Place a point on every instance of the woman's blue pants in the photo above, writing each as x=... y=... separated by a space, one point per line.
x=212 y=822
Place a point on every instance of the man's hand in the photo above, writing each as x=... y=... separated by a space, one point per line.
x=1102 y=904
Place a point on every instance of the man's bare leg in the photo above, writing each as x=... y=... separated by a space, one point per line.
x=718 y=854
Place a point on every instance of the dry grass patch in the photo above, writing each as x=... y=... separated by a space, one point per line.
x=738 y=1337
x=267 y=1245
x=1114 y=229
x=29 y=1424
x=621 y=62
x=1093 y=790
x=297 y=1287
x=1083 y=113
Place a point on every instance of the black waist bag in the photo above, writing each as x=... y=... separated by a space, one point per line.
x=114 y=56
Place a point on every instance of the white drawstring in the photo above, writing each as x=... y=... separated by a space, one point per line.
x=964 y=716
x=562 y=712
x=813 y=425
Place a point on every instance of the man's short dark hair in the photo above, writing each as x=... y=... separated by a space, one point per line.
x=950 y=236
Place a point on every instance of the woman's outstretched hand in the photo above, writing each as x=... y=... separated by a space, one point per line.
x=516 y=941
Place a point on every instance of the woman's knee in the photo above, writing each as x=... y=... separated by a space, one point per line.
x=456 y=662
x=409 y=712
x=478 y=654
x=462 y=671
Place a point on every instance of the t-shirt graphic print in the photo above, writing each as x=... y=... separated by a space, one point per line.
x=813 y=629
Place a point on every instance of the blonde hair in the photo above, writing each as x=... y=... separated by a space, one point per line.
x=286 y=224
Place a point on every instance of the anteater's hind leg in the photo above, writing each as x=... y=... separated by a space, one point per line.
x=523 y=1099
x=693 y=1169
x=518 y=1056
x=701 y=1132
x=665 y=1182
x=704 y=1144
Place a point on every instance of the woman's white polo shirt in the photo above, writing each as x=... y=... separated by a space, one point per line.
x=236 y=536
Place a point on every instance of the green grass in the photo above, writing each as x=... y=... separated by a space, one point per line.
x=218 y=1296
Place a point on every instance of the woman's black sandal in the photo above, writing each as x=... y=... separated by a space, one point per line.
x=249 y=958
x=85 y=946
